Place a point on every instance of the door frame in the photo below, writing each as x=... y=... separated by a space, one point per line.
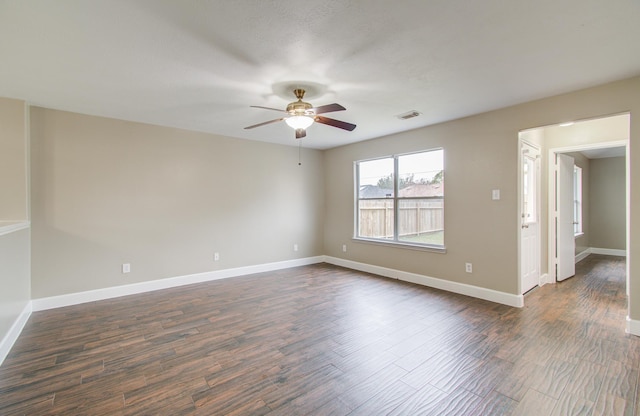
x=551 y=244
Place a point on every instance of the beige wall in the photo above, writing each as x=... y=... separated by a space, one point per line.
x=107 y=192
x=14 y=277
x=480 y=155
x=13 y=161
x=607 y=203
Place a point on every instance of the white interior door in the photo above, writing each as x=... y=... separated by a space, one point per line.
x=565 y=240
x=530 y=224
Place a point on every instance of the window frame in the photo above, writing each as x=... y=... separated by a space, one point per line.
x=395 y=240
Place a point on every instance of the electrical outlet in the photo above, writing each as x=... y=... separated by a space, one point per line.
x=295 y=247
x=468 y=267
x=344 y=248
x=216 y=256
x=126 y=268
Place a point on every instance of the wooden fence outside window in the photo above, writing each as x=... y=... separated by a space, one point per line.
x=415 y=217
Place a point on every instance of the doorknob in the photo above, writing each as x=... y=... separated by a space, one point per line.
x=525 y=225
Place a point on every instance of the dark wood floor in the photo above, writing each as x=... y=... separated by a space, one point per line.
x=324 y=340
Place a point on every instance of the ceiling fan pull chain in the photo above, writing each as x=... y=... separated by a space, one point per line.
x=299 y=152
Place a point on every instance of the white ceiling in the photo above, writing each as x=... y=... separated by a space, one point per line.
x=199 y=64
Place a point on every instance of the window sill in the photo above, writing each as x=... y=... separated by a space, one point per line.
x=431 y=249
x=7 y=227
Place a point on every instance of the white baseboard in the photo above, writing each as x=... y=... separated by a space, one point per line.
x=132 y=289
x=633 y=327
x=545 y=279
x=608 y=251
x=14 y=332
x=455 y=287
x=582 y=255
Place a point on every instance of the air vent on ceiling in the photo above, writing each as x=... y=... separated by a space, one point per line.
x=408 y=115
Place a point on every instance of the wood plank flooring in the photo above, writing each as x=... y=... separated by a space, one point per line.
x=324 y=340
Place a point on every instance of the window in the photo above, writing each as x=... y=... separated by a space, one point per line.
x=401 y=199
x=529 y=189
x=577 y=200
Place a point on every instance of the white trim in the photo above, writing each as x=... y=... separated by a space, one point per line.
x=117 y=291
x=608 y=251
x=14 y=332
x=455 y=287
x=408 y=246
x=7 y=227
x=591 y=146
x=546 y=279
x=583 y=255
x=633 y=327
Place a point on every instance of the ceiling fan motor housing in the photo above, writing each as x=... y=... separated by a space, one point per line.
x=300 y=108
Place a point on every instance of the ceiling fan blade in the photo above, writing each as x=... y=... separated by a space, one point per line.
x=265 y=123
x=268 y=108
x=328 y=108
x=300 y=133
x=335 y=123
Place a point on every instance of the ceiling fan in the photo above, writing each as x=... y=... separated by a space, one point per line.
x=301 y=115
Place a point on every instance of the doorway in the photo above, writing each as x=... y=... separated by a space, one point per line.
x=586 y=140
x=571 y=236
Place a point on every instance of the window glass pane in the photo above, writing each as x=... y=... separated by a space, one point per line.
x=525 y=190
x=530 y=203
x=421 y=221
x=375 y=218
x=421 y=174
x=577 y=200
x=376 y=178
x=415 y=215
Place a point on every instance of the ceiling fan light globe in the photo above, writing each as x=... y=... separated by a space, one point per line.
x=299 y=122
